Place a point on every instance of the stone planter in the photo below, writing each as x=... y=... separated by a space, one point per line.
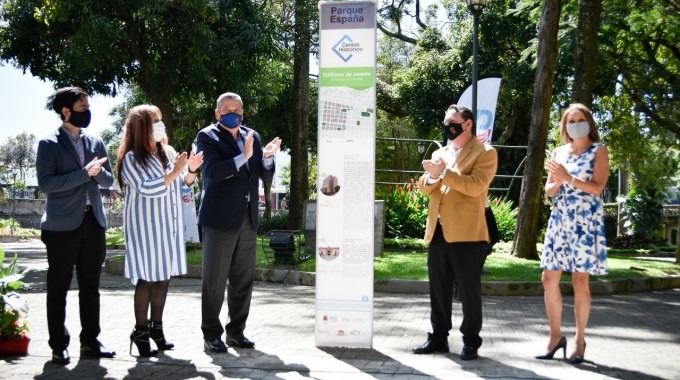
x=6 y=238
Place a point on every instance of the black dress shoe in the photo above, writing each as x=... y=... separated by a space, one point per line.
x=60 y=357
x=239 y=341
x=95 y=350
x=433 y=344
x=214 y=345
x=469 y=353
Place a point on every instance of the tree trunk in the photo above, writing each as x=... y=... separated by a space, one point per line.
x=586 y=51
x=299 y=159
x=623 y=192
x=524 y=244
x=677 y=240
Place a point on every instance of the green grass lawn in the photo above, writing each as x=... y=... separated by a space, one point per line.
x=500 y=265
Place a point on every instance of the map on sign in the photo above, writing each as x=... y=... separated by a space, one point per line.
x=346 y=112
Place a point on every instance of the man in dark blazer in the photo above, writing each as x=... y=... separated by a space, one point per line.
x=71 y=166
x=457 y=178
x=233 y=163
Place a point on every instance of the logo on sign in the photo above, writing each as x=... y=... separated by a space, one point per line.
x=345 y=48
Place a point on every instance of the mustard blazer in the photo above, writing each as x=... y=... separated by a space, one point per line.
x=459 y=197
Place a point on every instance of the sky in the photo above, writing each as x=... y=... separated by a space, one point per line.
x=22 y=106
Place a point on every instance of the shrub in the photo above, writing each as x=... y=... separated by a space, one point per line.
x=277 y=221
x=13 y=306
x=6 y=226
x=642 y=215
x=405 y=211
x=506 y=217
x=405 y=243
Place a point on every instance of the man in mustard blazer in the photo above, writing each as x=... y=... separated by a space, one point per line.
x=457 y=179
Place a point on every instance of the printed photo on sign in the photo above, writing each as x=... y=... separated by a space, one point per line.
x=329 y=253
x=330 y=186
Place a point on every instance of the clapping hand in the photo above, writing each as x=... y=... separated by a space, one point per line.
x=434 y=167
x=180 y=162
x=248 y=145
x=95 y=166
x=272 y=147
x=558 y=171
x=195 y=161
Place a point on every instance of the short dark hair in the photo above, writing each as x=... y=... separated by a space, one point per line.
x=466 y=113
x=67 y=97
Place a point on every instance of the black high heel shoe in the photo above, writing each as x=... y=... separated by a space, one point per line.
x=549 y=355
x=140 y=337
x=574 y=359
x=156 y=333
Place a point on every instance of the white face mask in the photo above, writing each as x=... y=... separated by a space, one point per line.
x=158 y=131
x=578 y=130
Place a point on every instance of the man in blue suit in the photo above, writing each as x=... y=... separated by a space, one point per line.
x=71 y=166
x=233 y=163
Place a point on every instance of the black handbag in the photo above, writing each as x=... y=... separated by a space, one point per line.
x=492 y=227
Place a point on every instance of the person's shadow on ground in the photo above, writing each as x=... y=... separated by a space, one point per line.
x=384 y=365
x=147 y=368
x=84 y=369
x=255 y=364
x=614 y=372
x=485 y=367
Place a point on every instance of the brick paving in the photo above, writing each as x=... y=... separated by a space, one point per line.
x=630 y=336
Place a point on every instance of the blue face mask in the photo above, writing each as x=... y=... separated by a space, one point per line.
x=231 y=120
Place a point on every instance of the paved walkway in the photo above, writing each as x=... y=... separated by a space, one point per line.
x=630 y=336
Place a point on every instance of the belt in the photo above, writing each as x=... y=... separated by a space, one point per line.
x=88 y=208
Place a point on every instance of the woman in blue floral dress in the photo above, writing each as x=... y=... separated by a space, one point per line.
x=575 y=238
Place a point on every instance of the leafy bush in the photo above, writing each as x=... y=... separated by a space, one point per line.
x=506 y=218
x=405 y=211
x=278 y=221
x=7 y=225
x=114 y=236
x=405 y=243
x=642 y=216
x=631 y=241
x=13 y=306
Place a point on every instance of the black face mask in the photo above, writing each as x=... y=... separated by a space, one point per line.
x=457 y=130
x=80 y=119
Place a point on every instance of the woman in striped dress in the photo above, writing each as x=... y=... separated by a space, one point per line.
x=151 y=175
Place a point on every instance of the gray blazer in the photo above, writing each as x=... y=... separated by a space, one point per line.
x=65 y=181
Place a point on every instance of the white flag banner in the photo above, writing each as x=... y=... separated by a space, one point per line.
x=487 y=98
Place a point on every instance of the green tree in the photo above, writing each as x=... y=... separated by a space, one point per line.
x=524 y=245
x=305 y=15
x=181 y=54
x=18 y=153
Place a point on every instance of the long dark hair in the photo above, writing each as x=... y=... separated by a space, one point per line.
x=137 y=138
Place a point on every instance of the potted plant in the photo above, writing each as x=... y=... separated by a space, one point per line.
x=14 y=337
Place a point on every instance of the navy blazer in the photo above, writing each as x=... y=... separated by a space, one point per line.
x=226 y=188
x=65 y=181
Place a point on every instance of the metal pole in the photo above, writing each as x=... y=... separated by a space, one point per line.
x=14 y=200
x=475 y=67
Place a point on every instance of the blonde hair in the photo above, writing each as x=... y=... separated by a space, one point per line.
x=593 y=134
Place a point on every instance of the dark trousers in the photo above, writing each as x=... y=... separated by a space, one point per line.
x=84 y=249
x=227 y=256
x=458 y=264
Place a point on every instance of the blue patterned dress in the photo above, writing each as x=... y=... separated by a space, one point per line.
x=575 y=238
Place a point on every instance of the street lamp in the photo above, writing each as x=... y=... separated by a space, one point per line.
x=13 y=171
x=476 y=7
x=421 y=148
